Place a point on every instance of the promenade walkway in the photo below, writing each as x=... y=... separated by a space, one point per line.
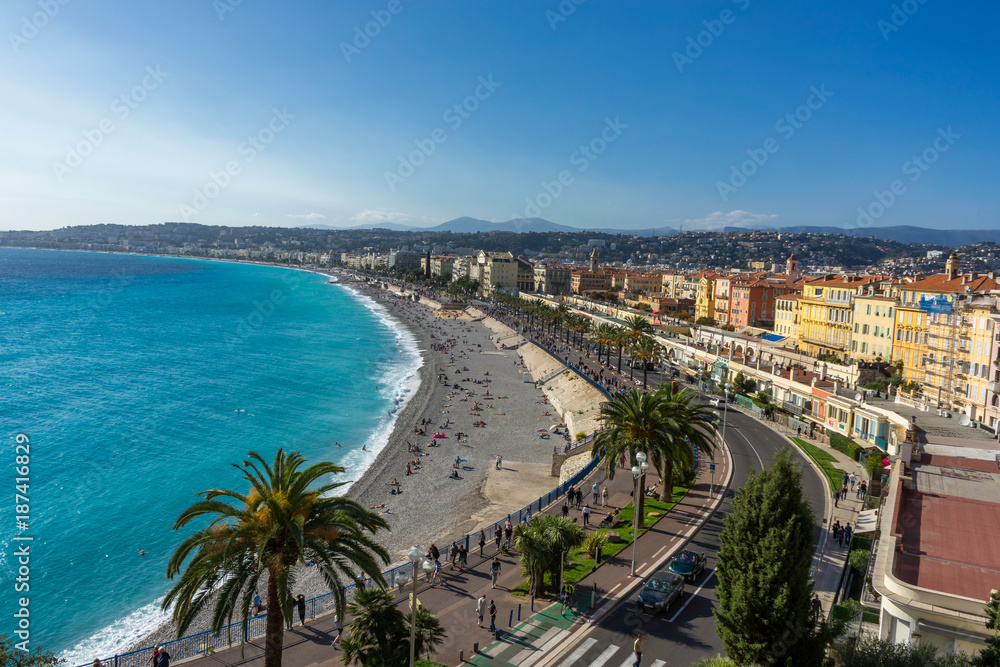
x=453 y=600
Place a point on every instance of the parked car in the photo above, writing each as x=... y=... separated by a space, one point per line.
x=689 y=564
x=718 y=402
x=660 y=591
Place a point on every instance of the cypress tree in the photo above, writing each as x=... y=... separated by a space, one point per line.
x=765 y=593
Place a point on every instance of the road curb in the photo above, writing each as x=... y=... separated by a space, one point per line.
x=621 y=596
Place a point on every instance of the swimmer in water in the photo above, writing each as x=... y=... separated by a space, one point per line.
x=141 y=552
x=364 y=448
x=338 y=444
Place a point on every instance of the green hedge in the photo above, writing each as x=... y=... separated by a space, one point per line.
x=844 y=445
x=859 y=542
x=841 y=612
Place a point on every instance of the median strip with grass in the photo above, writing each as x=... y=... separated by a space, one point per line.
x=580 y=564
x=825 y=461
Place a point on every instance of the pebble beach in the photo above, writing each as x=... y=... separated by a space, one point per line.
x=476 y=397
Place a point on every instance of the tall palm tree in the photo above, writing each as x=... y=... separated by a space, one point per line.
x=260 y=535
x=637 y=326
x=379 y=633
x=562 y=312
x=690 y=425
x=631 y=423
x=605 y=334
x=645 y=351
x=621 y=340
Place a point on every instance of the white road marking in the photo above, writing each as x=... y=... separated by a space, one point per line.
x=691 y=597
x=740 y=431
x=578 y=653
x=604 y=657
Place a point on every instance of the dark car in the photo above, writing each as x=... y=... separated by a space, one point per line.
x=659 y=591
x=688 y=564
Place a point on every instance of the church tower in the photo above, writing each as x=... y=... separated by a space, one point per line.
x=593 y=260
x=951 y=266
x=792 y=267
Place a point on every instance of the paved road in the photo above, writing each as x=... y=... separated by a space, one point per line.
x=686 y=632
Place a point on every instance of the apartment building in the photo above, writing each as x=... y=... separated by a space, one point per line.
x=786 y=317
x=585 y=282
x=827 y=312
x=497 y=270
x=874 y=326
x=553 y=279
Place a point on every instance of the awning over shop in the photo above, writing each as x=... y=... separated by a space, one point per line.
x=867 y=520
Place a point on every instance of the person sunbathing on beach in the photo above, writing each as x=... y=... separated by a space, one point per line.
x=377 y=507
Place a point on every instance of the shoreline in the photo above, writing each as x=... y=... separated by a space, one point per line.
x=445 y=509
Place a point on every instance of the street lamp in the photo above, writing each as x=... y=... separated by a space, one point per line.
x=415 y=554
x=637 y=472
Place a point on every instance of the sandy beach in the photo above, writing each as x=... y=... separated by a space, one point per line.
x=432 y=506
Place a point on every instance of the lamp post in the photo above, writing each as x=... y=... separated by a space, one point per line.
x=415 y=554
x=637 y=472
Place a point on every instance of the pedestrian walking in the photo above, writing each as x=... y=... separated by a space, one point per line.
x=854 y=479
x=481 y=608
x=498 y=535
x=597 y=490
x=847 y=534
x=437 y=571
x=300 y=603
x=843 y=492
x=862 y=489
x=637 y=649
x=338 y=625
x=454 y=554
x=482 y=542
x=817 y=608
x=565 y=509
x=463 y=558
x=586 y=515
x=162 y=657
x=836 y=498
x=495 y=571
x=493 y=617
x=579 y=498
x=845 y=479
x=604 y=497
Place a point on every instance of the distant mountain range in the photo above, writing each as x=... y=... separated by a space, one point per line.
x=901 y=234
x=467 y=225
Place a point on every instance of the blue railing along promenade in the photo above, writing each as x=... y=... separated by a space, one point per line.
x=207 y=642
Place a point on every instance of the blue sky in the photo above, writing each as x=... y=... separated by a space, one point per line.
x=597 y=114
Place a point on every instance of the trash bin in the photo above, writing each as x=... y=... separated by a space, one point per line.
x=475 y=647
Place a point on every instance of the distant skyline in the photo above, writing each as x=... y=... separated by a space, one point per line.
x=589 y=114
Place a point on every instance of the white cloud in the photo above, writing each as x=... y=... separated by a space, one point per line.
x=380 y=215
x=720 y=219
x=307 y=216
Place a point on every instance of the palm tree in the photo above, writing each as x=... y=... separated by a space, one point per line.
x=543 y=545
x=279 y=522
x=631 y=423
x=690 y=424
x=605 y=334
x=562 y=313
x=645 y=351
x=563 y=535
x=379 y=634
x=529 y=540
x=621 y=339
x=637 y=326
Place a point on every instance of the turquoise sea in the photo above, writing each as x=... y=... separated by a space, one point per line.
x=139 y=381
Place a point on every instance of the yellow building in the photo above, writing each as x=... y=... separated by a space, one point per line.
x=826 y=313
x=874 y=323
x=648 y=285
x=910 y=344
x=786 y=317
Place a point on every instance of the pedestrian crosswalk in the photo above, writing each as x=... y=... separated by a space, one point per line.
x=589 y=654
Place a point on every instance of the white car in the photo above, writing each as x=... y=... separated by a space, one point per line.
x=717 y=402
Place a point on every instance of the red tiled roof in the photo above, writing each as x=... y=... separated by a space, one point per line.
x=942 y=283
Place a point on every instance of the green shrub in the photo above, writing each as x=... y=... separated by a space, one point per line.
x=859 y=560
x=844 y=445
x=596 y=540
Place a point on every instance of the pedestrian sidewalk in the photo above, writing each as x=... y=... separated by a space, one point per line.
x=830 y=557
x=544 y=630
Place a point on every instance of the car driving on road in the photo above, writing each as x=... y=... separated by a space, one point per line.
x=659 y=591
x=689 y=564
